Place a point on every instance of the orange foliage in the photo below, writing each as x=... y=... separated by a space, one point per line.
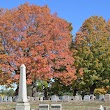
x=38 y=39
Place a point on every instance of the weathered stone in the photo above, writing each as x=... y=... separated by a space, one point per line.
x=9 y=99
x=36 y=98
x=15 y=98
x=100 y=97
x=107 y=97
x=5 y=99
x=56 y=107
x=32 y=99
x=1 y=99
x=54 y=98
x=86 y=98
x=66 y=98
x=28 y=98
x=43 y=106
x=92 y=97
x=41 y=99
x=77 y=98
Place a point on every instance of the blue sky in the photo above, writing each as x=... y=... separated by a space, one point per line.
x=74 y=11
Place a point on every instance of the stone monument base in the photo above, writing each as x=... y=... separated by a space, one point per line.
x=23 y=106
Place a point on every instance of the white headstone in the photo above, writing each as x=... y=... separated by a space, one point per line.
x=9 y=99
x=54 y=98
x=5 y=99
x=66 y=98
x=22 y=102
x=1 y=99
x=101 y=107
x=87 y=98
x=107 y=97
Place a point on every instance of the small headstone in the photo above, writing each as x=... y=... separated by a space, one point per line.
x=107 y=97
x=72 y=97
x=36 y=98
x=87 y=98
x=92 y=97
x=100 y=97
x=54 y=98
x=105 y=108
x=101 y=107
x=66 y=98
x=77 y=98
x=41 y=99
x=9 y=99
x=5 y=99
x=1 y=99
x=43 y=106
x=56 y=107
x=28 y=98
x=32 y=99
x=15 y=98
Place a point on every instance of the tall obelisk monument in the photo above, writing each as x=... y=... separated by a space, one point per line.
x=22 y=102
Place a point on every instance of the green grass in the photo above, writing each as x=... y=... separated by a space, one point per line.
x=66 y=105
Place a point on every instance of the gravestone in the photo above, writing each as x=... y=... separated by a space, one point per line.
x=5 y=99
x=36 y=98
x=32 y=99
x=66 y=98
x=43 y=106
x=107 y=97
x=101 y=107
x=92 y=97
x=1 y=99
x=54 y=98
x=9 y=99
x=56 y=107
x=15 y=98
x=28 y=98
x=41 y=99
x=72 y=97
x=100 y=97
x=86 y=98
x=22 y=102
x=77 y=98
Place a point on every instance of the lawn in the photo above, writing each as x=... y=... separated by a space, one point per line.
x=66 y=105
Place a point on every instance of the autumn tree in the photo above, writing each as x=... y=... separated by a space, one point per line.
x=91 y=49
x=3 y=58
x=31 y=35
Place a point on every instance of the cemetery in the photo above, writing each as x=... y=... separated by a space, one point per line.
x=44 y=66
x=24 y=102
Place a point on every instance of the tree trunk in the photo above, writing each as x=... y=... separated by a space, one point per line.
x=75 y=91
x=92 y=88
x=45 y=94
x=16 y=91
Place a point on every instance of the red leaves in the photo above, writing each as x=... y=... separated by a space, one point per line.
x=39 y=40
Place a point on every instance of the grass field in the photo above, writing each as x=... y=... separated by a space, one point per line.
x=65 y=105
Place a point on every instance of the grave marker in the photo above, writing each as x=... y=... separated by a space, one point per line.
x=54 y=98
x=9 y=99
x=1 y=99
x=56 y=107
x=43 y=106
x=87 y=98
x=22 y=102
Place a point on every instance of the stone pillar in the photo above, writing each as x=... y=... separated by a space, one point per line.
x=22 y=102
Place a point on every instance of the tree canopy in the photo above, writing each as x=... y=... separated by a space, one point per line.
x=92 y=53
x=31 y=35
